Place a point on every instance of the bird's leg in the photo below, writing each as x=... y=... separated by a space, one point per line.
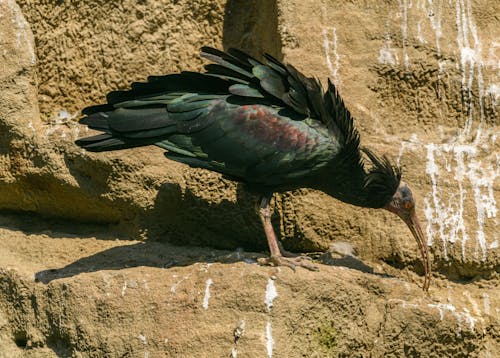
x=265 y=218
x=276 y=258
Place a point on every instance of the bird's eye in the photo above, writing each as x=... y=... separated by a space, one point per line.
x=408 y=205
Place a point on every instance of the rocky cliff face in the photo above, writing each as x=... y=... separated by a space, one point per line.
x=421 y=79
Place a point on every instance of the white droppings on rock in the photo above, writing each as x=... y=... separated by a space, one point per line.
x=31 y=127
x=469 y=47
x=234 y=352
x=330 y=46
x=173 y=288
x=386 y=53
x=239 y=330
x=413 y=143
x=460 y=316
x=124 y=289
x=493 y=91
x=271 y=294
x=143 y=338
x=486 y=303
x=269 y=339
x=473 y=303
x=445 y=212
x=61 y=122
x=205 y=267
x=206 y=298
x=467 y=317
x=404 y=303
x=107 y=283
x=442 y=307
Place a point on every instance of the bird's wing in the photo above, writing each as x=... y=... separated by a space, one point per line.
x=253 y=143
x=237 y=73
x=177 y=113
x=157 y=86
x=272 y=80
x=284 y=85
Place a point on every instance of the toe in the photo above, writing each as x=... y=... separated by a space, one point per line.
x=292 y=263
x=306 y=263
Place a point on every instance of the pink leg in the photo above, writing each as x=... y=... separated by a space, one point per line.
x=277 y=258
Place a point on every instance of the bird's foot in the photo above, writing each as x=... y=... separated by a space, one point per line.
x=292 y=262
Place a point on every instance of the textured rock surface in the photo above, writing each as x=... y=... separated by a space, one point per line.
x=102 y=297
x=421 y=79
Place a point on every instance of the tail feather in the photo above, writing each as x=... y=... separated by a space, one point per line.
x=101 y=143
x=129 y=120
x=93 y=139
x=97 y=121
x=125 y=120
x=106 y=142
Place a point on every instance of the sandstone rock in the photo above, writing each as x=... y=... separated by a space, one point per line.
x=101 y=297
x=19 y=102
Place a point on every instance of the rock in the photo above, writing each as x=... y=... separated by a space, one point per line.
x=100 y=296
x=19 y=100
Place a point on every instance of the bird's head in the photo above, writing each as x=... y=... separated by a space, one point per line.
x=402 y=204
x=386 y=190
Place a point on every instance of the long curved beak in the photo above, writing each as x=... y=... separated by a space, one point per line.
x=414 y=225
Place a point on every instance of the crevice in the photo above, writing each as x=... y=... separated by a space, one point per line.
x=21 y=340
x=60 y=346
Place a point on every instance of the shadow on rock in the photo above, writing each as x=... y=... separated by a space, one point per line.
x=161 y=255
x=349 y=262
x=149 y=254
x=187 y=217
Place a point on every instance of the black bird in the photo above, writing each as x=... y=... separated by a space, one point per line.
x=261 y=123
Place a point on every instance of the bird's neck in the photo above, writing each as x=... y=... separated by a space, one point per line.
x=347 y=185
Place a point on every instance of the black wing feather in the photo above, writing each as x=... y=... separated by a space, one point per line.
x=143 y=108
